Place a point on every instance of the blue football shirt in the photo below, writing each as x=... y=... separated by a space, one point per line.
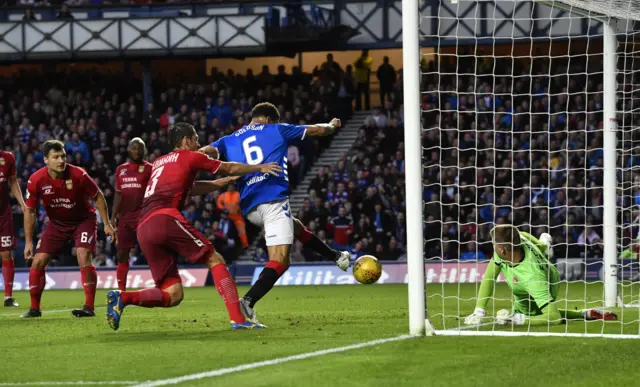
x=260 y=144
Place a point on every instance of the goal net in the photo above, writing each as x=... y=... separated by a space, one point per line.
x=531 y=117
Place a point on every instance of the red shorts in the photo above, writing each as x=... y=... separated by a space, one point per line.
x=127 y=233
x=54 y=238
x=163 y=237
x=7 y=234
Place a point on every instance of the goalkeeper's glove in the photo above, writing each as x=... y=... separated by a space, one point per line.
x=504 y=317
x=475 y=318
x=546 y=239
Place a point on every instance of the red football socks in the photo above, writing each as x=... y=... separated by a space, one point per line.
x=277 y=267
x=89 y=281
x=121 y=275
x=228 y=291
x=8 y=272
x=37 y=282
x=147 y=298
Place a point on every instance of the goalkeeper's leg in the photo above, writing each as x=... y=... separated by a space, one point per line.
x=588 y=314
x=571 y=314
x=524 y=305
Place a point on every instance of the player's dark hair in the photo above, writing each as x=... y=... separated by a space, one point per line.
x=266 y=109
x=52 y=145
x=179 y=131
x=506 y=235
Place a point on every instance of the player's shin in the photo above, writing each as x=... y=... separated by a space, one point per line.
x=37 y=282
x=268 y=277
x=122 y=271
x=312 y=242
x=147 y=298
x=228 y=291
x=89 y=281
x=8 y=273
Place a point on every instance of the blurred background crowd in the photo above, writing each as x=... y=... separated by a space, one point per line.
x=496 y=148
x=96 y=114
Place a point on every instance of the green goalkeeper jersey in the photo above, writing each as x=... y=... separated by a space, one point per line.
x=534 y=278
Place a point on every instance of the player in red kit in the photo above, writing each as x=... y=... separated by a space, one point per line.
x=164 y=234
x=66 y=192
x=131 y=181
x=8 y=181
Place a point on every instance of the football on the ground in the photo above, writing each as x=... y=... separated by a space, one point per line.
x=367 y=269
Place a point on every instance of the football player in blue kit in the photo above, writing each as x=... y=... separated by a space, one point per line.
x=264 y=198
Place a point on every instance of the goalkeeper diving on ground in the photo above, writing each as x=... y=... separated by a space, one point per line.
x=533 y=279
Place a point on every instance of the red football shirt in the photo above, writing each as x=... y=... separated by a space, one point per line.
x=68 y=199
x=131 y=182
x=7 y=169
x=172 y=178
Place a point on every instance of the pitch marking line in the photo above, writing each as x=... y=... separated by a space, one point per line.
x=78 y=383
x=467 y=327
x=47 y=311
x=280 y=360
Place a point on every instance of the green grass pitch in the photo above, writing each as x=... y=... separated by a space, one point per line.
x=155 y=344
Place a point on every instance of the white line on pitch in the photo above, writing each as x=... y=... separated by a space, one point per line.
x=45 y=312
x=467 y=327
x=77 y=383
x=280 y=360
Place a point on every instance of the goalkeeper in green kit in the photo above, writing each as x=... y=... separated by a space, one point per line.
x=533 y=279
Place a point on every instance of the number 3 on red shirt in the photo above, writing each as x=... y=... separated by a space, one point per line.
x=151 y=187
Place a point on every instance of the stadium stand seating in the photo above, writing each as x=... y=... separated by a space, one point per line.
x=359 y=203
x=96 y=114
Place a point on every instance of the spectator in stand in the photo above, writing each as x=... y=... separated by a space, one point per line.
x=342 y=227
x=229 y=203
x=28 y=12
x=346 y=92
x=77 y=146
x=293 y=158
x=362 y=74
x=320 y=182
x=329 y=70
x=64 y=13
x=222 y=112
x=472 y=253
x=225 y=234
x=386 y=75
x=167 y=119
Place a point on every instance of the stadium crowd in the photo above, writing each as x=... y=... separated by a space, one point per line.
x=96 y=115
x=540 y=168
x=502 y=148
x=496 y=149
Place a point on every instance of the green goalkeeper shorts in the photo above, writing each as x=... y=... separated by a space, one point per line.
x=528 y=306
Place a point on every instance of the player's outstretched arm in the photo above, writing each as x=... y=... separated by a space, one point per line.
x=210 y=151
x=485 y=292
x=203 y=187
x=237 y=169
x=324 y=129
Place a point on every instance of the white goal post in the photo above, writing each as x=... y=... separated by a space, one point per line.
x=604 y=37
